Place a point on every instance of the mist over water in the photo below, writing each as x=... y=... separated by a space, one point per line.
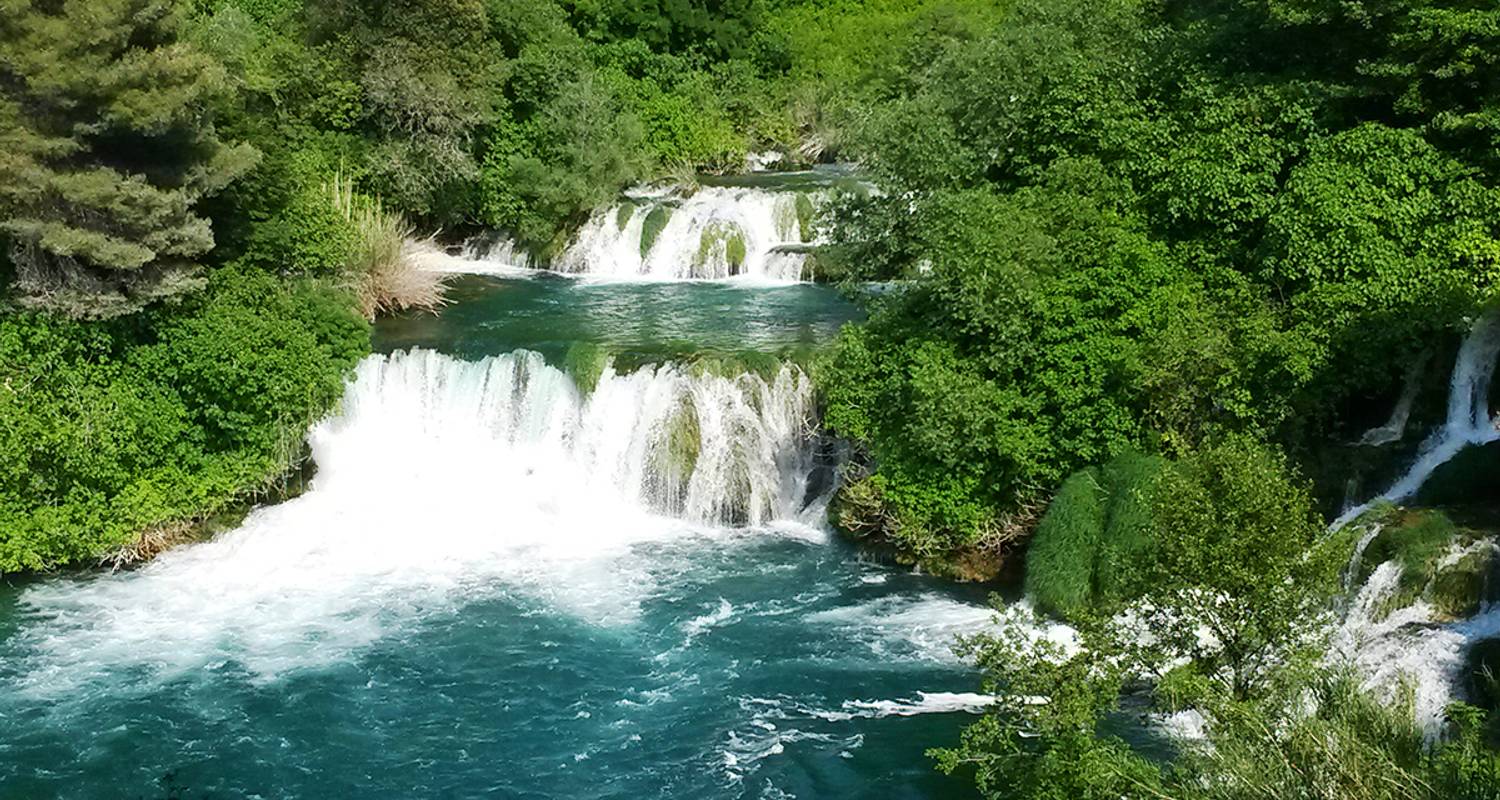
x=502 y=583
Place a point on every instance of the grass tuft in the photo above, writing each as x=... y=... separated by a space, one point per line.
x=380 y=267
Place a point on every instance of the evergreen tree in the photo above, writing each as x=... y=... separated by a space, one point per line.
x=106 y=144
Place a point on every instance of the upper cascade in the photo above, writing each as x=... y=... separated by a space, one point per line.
x=665 y=439
x=1468 y=421
x=715 y=233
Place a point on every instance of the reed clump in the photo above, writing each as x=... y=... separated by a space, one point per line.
x=381 y=266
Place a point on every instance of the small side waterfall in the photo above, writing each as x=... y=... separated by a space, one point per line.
x=1414 y=643
x=717 y=232
x=1468 y=421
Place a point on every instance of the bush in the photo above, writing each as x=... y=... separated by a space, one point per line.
x=1129 y=542
x=379 y=263
x=1060 y=561
x=117 y=428
x=1093 y=548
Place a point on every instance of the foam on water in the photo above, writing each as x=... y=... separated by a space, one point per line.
x=1413 y=645
x=440 y=481
x=919 y=628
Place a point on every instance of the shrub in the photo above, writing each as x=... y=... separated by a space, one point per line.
x=1129 y=541
x=114 y=429
x=380 y=265
x=1060 y=562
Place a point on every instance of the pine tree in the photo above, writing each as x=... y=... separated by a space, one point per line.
x=106 y=144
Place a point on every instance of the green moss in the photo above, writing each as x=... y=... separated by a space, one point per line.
x=624 y=213
x=1458 y=590
x=733 y=364
x=683 y=440
x=726 y=237
x=585 y=361
x=805 y=217
x=1415 y=540
x=651 y=227
x=1060 y=562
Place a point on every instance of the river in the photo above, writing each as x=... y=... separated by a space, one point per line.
x=512 y=578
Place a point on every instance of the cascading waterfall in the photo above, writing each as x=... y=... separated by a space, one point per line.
x=715 y=233
x=1468 y=421
x=442 y=480
x=500 y=251
x=1414 y=643
x=484 y=255
x=712 y=449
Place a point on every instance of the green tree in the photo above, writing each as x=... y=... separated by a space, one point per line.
x=1242 y=571
x=106 y=145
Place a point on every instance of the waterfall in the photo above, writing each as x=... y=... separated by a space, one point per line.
x=718 y=232
x=484 y=255
x=441 y=481
x=1468 y=421
x=498 y=250
x=711 y=449
x=1414 y=643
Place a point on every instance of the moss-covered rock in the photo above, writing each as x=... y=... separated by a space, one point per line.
x=722 y=240
x=805 y=212
x=733 y=364
x=1461 y=588
x=623 y=213
x=651 y=227
x=1414 y=539
x=683 y=442
x=585 y=362
x=1448 y=565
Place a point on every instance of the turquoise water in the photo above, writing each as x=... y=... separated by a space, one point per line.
x=657 y=319
x=451 y=612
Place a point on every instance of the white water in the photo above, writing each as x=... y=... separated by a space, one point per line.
x=480 y=256
x=1411 y=645
x=1468 y=421
x=693 y=244
x=438 y=477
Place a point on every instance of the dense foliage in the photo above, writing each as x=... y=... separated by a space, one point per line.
x=1142 y=260
x=1227 y=629
x=1124 y=226
x=106 y=150
x=114 y=429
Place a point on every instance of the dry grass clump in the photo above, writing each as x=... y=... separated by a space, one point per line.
x=381 y=265
x=149 y=544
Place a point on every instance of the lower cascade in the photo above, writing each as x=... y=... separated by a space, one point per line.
x=613 y=577
x=705 y=448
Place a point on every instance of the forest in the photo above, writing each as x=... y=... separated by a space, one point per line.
x=1152 y=270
